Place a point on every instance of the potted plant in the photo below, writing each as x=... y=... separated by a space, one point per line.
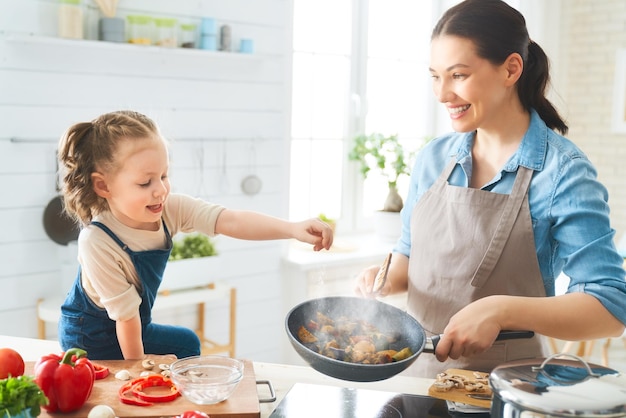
x=192 y=262
x=386 y=155
x=21 y=397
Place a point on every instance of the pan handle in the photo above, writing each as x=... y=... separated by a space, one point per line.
x=431 y=343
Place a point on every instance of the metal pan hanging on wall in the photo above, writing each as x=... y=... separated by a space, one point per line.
x=58 y=225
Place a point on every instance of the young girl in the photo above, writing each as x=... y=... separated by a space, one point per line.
x=116 y=186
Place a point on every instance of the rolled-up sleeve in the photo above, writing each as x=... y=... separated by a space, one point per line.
x=581 y=227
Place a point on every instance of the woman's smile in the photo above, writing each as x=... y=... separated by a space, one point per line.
x=457 y=111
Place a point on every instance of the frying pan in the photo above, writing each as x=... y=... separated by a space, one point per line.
x=384 y=317
x=58 y=225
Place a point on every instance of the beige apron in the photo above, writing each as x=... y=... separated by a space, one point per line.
x=467 y=244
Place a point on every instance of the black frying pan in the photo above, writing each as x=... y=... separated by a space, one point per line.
x=58 y=225
x=386 y=318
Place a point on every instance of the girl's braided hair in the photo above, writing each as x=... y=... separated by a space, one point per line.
x=88 y=147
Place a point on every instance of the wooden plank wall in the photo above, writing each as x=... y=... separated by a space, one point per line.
x=224 y=113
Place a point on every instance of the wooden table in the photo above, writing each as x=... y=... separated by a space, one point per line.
x=282 y=377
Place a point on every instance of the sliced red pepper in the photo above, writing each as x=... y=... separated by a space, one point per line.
x=154 y=381
x=126 y=395
x=193 y=414
x=100 y=371
x=131 y=393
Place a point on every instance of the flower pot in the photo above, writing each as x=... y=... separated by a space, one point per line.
x=25 y=413
x=387 y=225
x=393 y=202
x=190 y=272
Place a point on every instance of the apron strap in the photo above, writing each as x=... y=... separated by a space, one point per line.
x=505 y=225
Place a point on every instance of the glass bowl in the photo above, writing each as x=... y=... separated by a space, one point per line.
x=206 y=380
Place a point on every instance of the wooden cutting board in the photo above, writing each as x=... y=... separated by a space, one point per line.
x=460 y=395
x=243 y=403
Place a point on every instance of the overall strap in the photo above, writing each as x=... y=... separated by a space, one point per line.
x=111 y=234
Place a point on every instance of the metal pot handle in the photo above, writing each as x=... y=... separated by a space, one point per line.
x=272 y=397
x=541 y=368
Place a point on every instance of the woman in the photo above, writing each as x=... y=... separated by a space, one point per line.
x=498 y=209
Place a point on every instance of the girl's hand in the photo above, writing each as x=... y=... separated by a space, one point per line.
x=315 y=232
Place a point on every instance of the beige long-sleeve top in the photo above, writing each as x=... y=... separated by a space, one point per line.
x=108 y=275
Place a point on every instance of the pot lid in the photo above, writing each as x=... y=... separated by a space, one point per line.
x=561 y=387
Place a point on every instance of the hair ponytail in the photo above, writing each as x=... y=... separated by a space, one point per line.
x=532 y=86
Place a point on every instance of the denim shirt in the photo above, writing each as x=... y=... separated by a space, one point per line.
x=568 y=207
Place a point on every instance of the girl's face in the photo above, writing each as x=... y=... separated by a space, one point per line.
x=138 y=186
x=473 y=90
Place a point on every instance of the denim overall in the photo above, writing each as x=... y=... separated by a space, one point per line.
x=85 y=325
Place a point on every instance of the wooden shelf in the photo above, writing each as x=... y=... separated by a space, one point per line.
x=134 y=48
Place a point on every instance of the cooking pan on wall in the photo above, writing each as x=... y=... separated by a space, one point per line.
x=58 y=225
x=386 y=318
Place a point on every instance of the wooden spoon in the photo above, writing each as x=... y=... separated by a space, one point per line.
x=381 y=277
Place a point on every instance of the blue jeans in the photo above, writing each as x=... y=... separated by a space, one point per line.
x=157 y=339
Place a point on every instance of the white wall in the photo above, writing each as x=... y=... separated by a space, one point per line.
x=214 y=107
x=591 y=34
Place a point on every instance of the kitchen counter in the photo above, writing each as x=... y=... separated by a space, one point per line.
x=282 y=377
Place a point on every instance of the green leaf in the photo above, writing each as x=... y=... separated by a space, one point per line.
x=192 y=246
x=20 y=393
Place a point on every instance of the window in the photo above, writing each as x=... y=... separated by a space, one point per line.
x=358 y=67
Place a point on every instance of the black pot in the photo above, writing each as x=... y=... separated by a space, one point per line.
x=557 y=387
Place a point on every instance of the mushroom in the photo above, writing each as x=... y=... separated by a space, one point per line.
x=123 y=375
x=147 y=364
x=101 y=411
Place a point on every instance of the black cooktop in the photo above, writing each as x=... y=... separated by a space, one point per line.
x=318 y=401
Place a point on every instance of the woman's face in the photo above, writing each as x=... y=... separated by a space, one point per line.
x=139 y=185
x=472 y=88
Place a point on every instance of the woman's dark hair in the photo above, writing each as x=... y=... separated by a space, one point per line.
x=499 y=30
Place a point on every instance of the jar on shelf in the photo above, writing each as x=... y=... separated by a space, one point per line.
x=208 y=34
x=140 y=29
x=166 y=32
x=71 y=19
x=188 y=35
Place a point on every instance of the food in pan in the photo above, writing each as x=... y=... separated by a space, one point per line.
x=350 y=340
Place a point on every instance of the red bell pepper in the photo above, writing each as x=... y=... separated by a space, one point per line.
x=132 y=393
x=193 y=414
x=100 y=371
x=66 y=381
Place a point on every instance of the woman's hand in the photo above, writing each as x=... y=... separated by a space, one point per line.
x=365 y=281
x=397 y=278
x=315 y=232
x=472 y=330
